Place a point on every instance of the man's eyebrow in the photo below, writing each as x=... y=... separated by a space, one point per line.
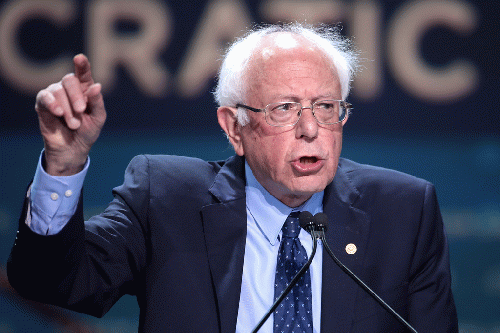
x=295 y=98
x=292 y=98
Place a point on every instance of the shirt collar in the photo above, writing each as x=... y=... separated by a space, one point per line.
x=268 y=212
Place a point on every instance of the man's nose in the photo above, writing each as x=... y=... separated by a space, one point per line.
x=307 y=126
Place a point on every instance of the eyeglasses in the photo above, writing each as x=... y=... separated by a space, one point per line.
x=328 y=112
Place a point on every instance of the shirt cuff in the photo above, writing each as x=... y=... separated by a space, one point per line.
x=54 y=199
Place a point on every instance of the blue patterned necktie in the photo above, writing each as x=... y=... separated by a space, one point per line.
x=294 y=314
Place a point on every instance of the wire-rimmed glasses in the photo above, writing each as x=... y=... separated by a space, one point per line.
x=327 y=112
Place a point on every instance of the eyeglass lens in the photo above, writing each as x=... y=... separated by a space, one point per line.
x=325 y=112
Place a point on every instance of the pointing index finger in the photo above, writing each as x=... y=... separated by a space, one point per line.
x=82 y=69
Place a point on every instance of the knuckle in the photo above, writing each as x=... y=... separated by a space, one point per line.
x=54 y=87
x=43 y=99
x=68 y=77
x=40 y=94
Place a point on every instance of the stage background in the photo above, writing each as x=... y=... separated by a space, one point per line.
x=426 y=104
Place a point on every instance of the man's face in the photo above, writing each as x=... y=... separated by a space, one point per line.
x=291 y=162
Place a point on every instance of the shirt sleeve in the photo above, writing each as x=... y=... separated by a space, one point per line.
x=53 y=199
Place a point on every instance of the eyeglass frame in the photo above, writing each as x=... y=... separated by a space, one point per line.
x=347 y=106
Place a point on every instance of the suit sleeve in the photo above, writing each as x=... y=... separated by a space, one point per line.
x=431 y=305
x=89 y=265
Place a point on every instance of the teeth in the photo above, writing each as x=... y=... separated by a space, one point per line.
x=307 y=160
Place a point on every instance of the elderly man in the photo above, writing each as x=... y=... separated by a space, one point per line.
x=203 y=245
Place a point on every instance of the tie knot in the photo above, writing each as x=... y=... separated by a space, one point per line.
x=291 y=228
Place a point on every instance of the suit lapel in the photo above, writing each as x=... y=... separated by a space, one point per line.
x=225 y=235
x=347 y=225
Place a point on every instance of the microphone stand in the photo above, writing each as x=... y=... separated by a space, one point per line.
x=321 y=231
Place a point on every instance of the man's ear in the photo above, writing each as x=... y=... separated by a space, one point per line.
x=345 y=119
x=229 y=123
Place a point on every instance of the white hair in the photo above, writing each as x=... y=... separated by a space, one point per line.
x=231 y=89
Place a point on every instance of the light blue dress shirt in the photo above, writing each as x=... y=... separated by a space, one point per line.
x=265 y=218
x=54 y=200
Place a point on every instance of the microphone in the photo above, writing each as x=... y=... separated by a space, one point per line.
x=306 y=221
x=321 y=223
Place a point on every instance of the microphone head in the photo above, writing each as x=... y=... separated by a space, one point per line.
x=306 y=220
x=321 y=221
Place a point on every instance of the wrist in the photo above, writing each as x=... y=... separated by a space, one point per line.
x=56 y=165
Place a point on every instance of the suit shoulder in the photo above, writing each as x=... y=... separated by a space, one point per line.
x=364 y=176
x=176 y=168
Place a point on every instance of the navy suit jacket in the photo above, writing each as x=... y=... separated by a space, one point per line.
x=175 y=234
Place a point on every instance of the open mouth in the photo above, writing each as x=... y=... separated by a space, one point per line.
x=308 y=164
x=308 y=159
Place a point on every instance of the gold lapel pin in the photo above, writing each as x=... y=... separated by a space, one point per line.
x=351 y=248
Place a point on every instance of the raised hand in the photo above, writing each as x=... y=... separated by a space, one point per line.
x=71 y=114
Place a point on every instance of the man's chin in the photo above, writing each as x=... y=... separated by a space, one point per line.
x=296 y=196
x=308 y=185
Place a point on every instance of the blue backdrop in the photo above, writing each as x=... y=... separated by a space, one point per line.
x=426 y=103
